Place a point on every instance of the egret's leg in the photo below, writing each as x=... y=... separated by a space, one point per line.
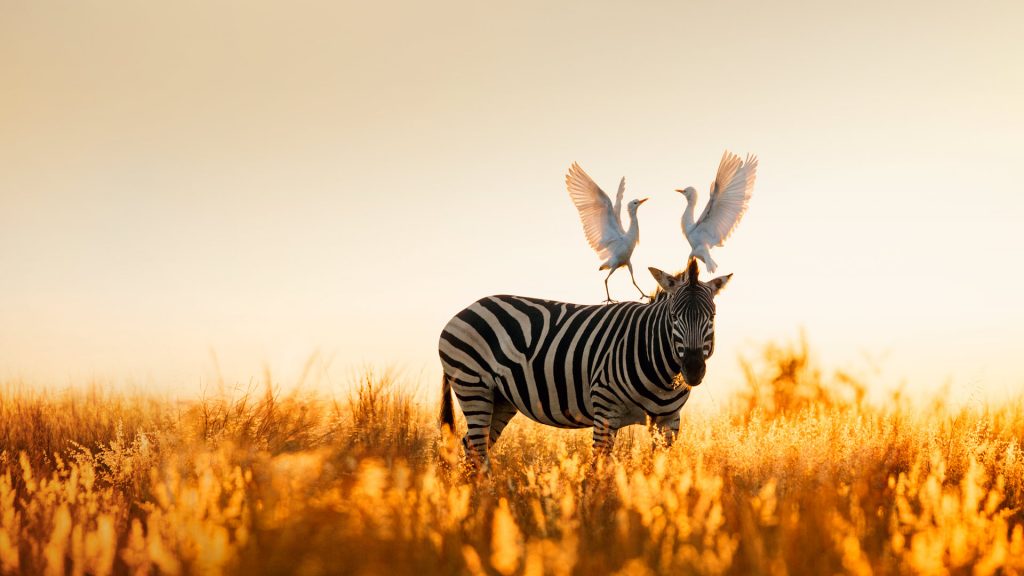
x=630 y=266
x=606 y=293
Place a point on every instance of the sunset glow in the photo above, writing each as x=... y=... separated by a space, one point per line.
x=190 y=189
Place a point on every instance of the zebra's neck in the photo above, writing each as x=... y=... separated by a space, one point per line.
x=662 y=353
x=650 y=364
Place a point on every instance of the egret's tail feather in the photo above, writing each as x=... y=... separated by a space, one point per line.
x=704 y=255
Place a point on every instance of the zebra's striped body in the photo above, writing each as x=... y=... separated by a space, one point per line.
x=576 y=366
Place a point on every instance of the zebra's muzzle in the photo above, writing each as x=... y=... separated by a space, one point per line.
x=693 y=367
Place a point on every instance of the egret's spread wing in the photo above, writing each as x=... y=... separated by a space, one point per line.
x=618 y=200
x=730 y=195
x=600 y=225
x=726 y=170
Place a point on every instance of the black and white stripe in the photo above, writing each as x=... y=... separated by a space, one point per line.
x=576 y=366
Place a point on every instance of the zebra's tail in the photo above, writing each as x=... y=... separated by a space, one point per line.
x=447 y=416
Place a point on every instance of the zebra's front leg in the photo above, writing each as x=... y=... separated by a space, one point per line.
x=668 y=426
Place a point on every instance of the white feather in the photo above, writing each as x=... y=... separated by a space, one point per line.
x=600 y=218
x=730 y=197
x=601 y=221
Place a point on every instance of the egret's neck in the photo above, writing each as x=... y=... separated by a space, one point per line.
x=633 y=232
x=691 y=202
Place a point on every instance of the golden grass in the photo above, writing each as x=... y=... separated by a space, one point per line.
x=799 y=475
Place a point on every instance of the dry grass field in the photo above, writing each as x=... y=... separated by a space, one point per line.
x=795 y=475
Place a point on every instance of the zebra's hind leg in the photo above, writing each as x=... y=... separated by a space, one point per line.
x=597 y=479
x=477 y=406
x=604 y=435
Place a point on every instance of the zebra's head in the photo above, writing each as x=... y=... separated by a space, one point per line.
x=692 y=305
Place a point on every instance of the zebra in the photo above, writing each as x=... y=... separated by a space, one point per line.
x=575 y=365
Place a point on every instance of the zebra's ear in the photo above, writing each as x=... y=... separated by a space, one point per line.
x=668 y=282
x=717 y=284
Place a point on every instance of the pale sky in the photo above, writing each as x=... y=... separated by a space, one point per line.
x=262 y=181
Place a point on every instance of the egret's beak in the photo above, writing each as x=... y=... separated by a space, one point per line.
x=680 y=191
x=641 y=201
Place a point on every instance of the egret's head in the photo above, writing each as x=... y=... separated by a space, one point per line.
x=690 y=193
x=634 y=204
x=693 y=318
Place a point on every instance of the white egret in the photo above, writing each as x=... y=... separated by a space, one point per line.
x=730 y=195
x=602 y=225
